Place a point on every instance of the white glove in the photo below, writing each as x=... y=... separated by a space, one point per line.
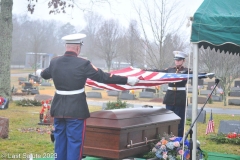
x=132 y=81
x=38 y=72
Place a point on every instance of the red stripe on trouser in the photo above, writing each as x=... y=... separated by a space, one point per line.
x=83 y=138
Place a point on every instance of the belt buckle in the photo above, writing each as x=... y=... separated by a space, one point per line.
x=174 y=88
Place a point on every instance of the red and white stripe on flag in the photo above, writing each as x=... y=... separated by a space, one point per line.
x=147 y=79
x=210 y=126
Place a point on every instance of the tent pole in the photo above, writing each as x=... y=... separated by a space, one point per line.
x=195 y=96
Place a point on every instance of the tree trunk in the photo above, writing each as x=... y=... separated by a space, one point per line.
x=5 y=47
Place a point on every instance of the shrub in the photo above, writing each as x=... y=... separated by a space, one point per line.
x=116 y=105
x=28 y=102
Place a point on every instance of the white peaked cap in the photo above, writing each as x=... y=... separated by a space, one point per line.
x=74 y=38
x=179 y=55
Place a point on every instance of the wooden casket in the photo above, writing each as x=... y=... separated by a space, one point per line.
x=121 y=133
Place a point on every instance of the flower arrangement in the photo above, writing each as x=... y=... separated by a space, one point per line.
x=210 y=101
x=231 y=138
x=169 y=148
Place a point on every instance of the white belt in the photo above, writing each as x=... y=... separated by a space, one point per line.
x=70 y=92
x=177 y=88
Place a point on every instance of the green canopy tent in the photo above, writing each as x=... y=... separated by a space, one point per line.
x=215 y=24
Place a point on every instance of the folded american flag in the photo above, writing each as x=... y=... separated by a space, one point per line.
x=147 y=79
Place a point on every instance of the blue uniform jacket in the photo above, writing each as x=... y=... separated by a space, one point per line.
x=69 y=73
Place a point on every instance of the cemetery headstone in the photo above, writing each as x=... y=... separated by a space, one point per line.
x=235 y=89
x=113 y=93
x=226 y=127
x=125 y=91
x=237 y=84
x=216 y=98
x=201 y=118
x=34 y=91
x=95 y=88
x=205 y=92
x=46 y=84
x=234 y=94
x=201 y=100
x=127 y=96
x=42 y=97
x=4 y=127
x=210 y=85
x=94 y=95
x=146 y=95
x=149 y=90
x=234 y=102
x=200 y=82
x=21 y=80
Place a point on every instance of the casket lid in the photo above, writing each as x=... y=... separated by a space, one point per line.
x=129 y=117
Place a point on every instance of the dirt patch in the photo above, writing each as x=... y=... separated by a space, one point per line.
x=160 y=100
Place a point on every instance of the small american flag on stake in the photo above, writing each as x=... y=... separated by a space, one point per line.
x=210 y=126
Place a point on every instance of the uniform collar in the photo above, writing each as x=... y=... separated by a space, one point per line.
x=178 y=67
x=69 y=53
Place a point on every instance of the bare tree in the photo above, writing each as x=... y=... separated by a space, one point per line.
x=159 y=18
x=18 y=34
x=225 y=66
x=132 y=50
x=94 y=22
x=107 y=41
x=6 y=33
x=62 y=6
x=6 y=46
x=171 y=43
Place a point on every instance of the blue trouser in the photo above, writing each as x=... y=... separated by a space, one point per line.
x=69 y=138
x=180 y=111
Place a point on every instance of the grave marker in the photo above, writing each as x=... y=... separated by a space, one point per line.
x=226 y=127
x=146 y=95
x=113 y=93
x=42 y=97
x=4 y=127
x=127 y=96
x=201 y=118
x=94 y=95
x=234 y=102
x=201 y=100
x=234 y=94
x=95 y=88
x=237 y=84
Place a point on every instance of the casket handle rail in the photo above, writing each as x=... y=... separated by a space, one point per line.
x=140 y=143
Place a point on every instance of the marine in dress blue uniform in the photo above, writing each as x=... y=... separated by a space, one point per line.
x=175 y=97
x=69 y=106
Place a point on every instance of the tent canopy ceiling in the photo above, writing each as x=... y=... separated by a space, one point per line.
x=216 y=24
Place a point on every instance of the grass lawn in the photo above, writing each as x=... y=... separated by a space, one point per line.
x=26 y=136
